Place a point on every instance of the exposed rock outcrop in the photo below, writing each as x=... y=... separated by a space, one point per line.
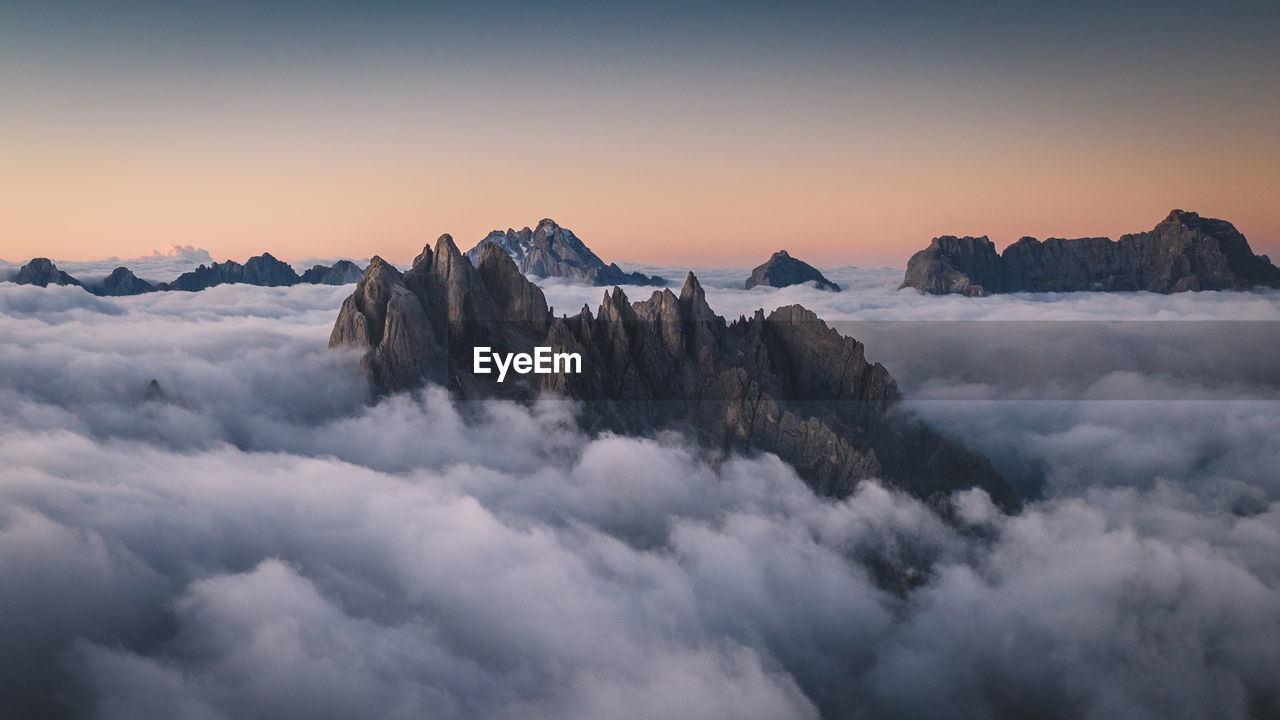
x=121 y=282
x=342 y=272
x=553 y=251
x=782 y=270
x=43 y=273
x=1184 y=252
x=266 y=271
x=964 y=265
x=261 y=269
x=785 y=383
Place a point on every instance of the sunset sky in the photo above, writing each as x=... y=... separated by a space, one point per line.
x=660 y=134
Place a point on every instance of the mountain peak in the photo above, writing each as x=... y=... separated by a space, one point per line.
x=782 y=270
x=121 y=282
x=423 y=257
x=692 y=288
x=552 y=250
x=787 y=385
x=376 y=263
x=43 y=273
x=445 y=243
x=342 y=272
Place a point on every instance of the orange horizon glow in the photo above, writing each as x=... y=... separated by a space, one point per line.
x=869 y=193
x=698 y=204
x=842 y=135
x=618 y=234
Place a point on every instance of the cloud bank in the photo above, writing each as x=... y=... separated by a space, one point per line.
x=157 y=266
x=259 y=542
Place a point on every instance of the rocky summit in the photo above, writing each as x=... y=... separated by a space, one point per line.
x=43 y=273
x=963 y=265
x=262 y=269
x=1184 y=252
x=342 y=272
x=785 y=383
x=553 y=251
x=782 y=270
x=121 y=282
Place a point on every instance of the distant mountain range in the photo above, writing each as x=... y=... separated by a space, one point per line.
x=262 y=270
x=553 y=251
x=1183 y=252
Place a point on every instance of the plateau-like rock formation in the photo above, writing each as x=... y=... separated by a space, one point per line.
x=342 y=272
x=553 y=251
x=1184 y=252
x=782 y=270
x=785 y=383
x=121 y=282
x=964 y=265
x=43 y=273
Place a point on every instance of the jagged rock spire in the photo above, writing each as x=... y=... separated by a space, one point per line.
x=785 y=384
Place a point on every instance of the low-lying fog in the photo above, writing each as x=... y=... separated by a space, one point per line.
x=256 y=542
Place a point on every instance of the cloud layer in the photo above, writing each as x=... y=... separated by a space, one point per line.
x=157 y=266
x=260 y=542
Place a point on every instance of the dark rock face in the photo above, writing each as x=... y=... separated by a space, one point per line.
x=122 y=282
x=342 y=272
x=264 y=270
x=553 y=251
x=783 y=270
x=785 y=384
x=207 y=276
x=1184 y=252
x=42 y=272
x=261 y=269
x=964 y=265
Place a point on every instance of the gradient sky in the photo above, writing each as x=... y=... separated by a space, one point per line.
x=661 y=134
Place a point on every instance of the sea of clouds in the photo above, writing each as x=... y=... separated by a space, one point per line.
x=156 y=266
x=259 y=541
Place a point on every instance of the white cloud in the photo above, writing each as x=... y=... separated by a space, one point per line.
x=156 y=266
x=261 y=543
x=871 y=295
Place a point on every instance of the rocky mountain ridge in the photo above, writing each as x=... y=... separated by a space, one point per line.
x=785 y=383
x=782 y=270
x=1184 y=252
x=261 y=270
x=43 y=273
x=553 y=251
